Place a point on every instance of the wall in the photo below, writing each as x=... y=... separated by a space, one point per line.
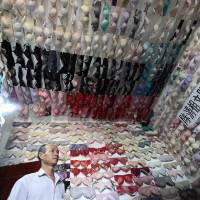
x=183 y=142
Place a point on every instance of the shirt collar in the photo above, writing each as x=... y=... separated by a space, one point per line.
x=41 y=172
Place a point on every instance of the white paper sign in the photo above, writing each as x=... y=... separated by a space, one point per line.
x=190 y=112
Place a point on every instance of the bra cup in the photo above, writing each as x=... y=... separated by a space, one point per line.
x=28 y=24
x=20 y=4
x=47 y=32
x=53 y=2
x=68 y=45
x=18 y=35
x=31 y=4
x=105 y=39
x=105 y=48
x=8 y=32
x=64 y=2
x=63 y=11
x=96 y=38
x=38 y=30
x=75 y=194
x=88 y=39
x=119 y=53
x=7 y=4
x=87 y=50
x=39 y=40
x=97 y=176
x=96 y=46
x=78 y=47
x=58 y=43
x=59 y=32
x=115 y=16
x=67 y=36
x=85 y=9
x=29 y=37
x=53 y=12
x=40 y=10
x=123 y=42
x=76 y=37
x=48 y=41
x=17 y=26
x=5 y=21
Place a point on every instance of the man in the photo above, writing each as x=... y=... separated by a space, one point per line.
x=44 y=184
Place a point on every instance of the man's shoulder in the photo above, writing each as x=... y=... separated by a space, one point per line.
x=28 y=176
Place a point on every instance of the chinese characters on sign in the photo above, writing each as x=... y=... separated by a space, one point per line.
x=190 y=112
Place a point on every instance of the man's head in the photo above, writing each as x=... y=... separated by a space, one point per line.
x=48 y=154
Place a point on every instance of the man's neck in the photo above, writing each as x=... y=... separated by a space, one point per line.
x=49 y=170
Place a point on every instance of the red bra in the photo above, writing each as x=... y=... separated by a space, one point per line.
x=138 y=171
x=83 y=163
x=98 y=166
x=85 y=171
x=77 y=152
x=97 y=150
x=120 y=179
x=122 y=160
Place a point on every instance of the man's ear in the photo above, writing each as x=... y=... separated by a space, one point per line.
x=41 y=155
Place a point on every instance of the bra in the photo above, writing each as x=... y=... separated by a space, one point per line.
x=78 y=147
x=99 y=157
x=84 y=171
x=123 y=168
x=78 y=192
x=136 y=163
x=107 y=175
x=107 y=196
x=98 y=166
x=111 y=146
x=138 y=171
x=118 y=151
x=101 y=186
x=79 y=152
x=97 y=150
x=83 y=163
x=127 y=189
x=120 y=179
x=121 y=160
x=78 y=181
x=146 y=179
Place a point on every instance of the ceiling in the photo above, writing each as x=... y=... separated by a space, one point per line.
x=91 y=59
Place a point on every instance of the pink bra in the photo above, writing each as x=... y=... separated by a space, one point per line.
x=123 y=168
x=78 y=181
x=99 y=157
x=121 y=160
x=78 y=192
x=98 y=176
x=107 y=196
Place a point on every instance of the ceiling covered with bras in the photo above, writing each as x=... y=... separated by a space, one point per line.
x=104 y=59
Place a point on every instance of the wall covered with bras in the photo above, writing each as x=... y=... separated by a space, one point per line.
x=183 y=142
x=107 y=48
x=71 y=66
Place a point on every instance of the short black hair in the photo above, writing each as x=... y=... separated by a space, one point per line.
x=42 y=149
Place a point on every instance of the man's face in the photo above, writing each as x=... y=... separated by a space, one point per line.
x=51 y=155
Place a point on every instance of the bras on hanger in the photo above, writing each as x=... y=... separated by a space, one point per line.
x=78 y=181
x=85 y=171
x=83 y=163
x=78 y=192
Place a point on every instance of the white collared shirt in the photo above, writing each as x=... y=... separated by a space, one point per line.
x=38 y=186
